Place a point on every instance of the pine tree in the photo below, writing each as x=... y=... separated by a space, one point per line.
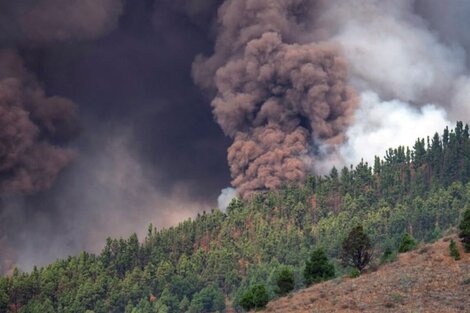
x=356 y=250
x=318 y=268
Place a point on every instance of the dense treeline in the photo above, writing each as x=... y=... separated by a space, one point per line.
x=202 y=264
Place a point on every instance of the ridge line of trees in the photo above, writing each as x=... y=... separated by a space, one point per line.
x=201 y=264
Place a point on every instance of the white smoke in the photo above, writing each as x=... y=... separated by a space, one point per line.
x=381 y=125
x=392 y=52
x=226 y=196
x=412 y=83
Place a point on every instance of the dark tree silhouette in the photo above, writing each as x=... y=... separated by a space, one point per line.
x=356 y=250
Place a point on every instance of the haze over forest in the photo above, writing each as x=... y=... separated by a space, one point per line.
x=115 y=114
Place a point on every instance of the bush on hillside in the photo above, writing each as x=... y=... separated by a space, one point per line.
x=354 y=273
x=255 y=297
x=317 y=268
x=388 y=256
x=464 y=228
x=407 y=243
x=454 y=252
x=285 y=282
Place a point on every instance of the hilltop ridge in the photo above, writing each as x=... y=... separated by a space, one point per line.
x=424 y=280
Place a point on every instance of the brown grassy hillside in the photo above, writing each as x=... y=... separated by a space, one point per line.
x=426 y=280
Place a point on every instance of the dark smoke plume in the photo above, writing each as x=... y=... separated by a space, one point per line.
x=129 y=79
x=33 y=127
x=275 y=98
x=200 y=12
x=36 y=127
x=41 y=21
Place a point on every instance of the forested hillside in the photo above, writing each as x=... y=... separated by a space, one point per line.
x=203 y=264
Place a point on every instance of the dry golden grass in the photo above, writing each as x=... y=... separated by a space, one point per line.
x=426 y=280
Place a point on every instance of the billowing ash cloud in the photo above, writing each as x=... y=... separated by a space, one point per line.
x=275 y=97
x=33 y=126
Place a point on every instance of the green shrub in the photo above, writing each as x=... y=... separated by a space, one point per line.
x=454 y=252
x=464 y=233
x=407 y=243
x=246 y=301
x=260 y=296
x=388 y=256
x=254 y=298
x=354 y=273
x=318 y=268
x=285 y=281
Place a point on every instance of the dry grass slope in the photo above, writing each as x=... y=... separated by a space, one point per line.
x=426 y=280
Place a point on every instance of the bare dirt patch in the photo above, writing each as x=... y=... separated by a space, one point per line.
x=425 y=280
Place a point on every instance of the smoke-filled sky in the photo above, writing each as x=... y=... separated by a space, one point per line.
x=119 y=113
